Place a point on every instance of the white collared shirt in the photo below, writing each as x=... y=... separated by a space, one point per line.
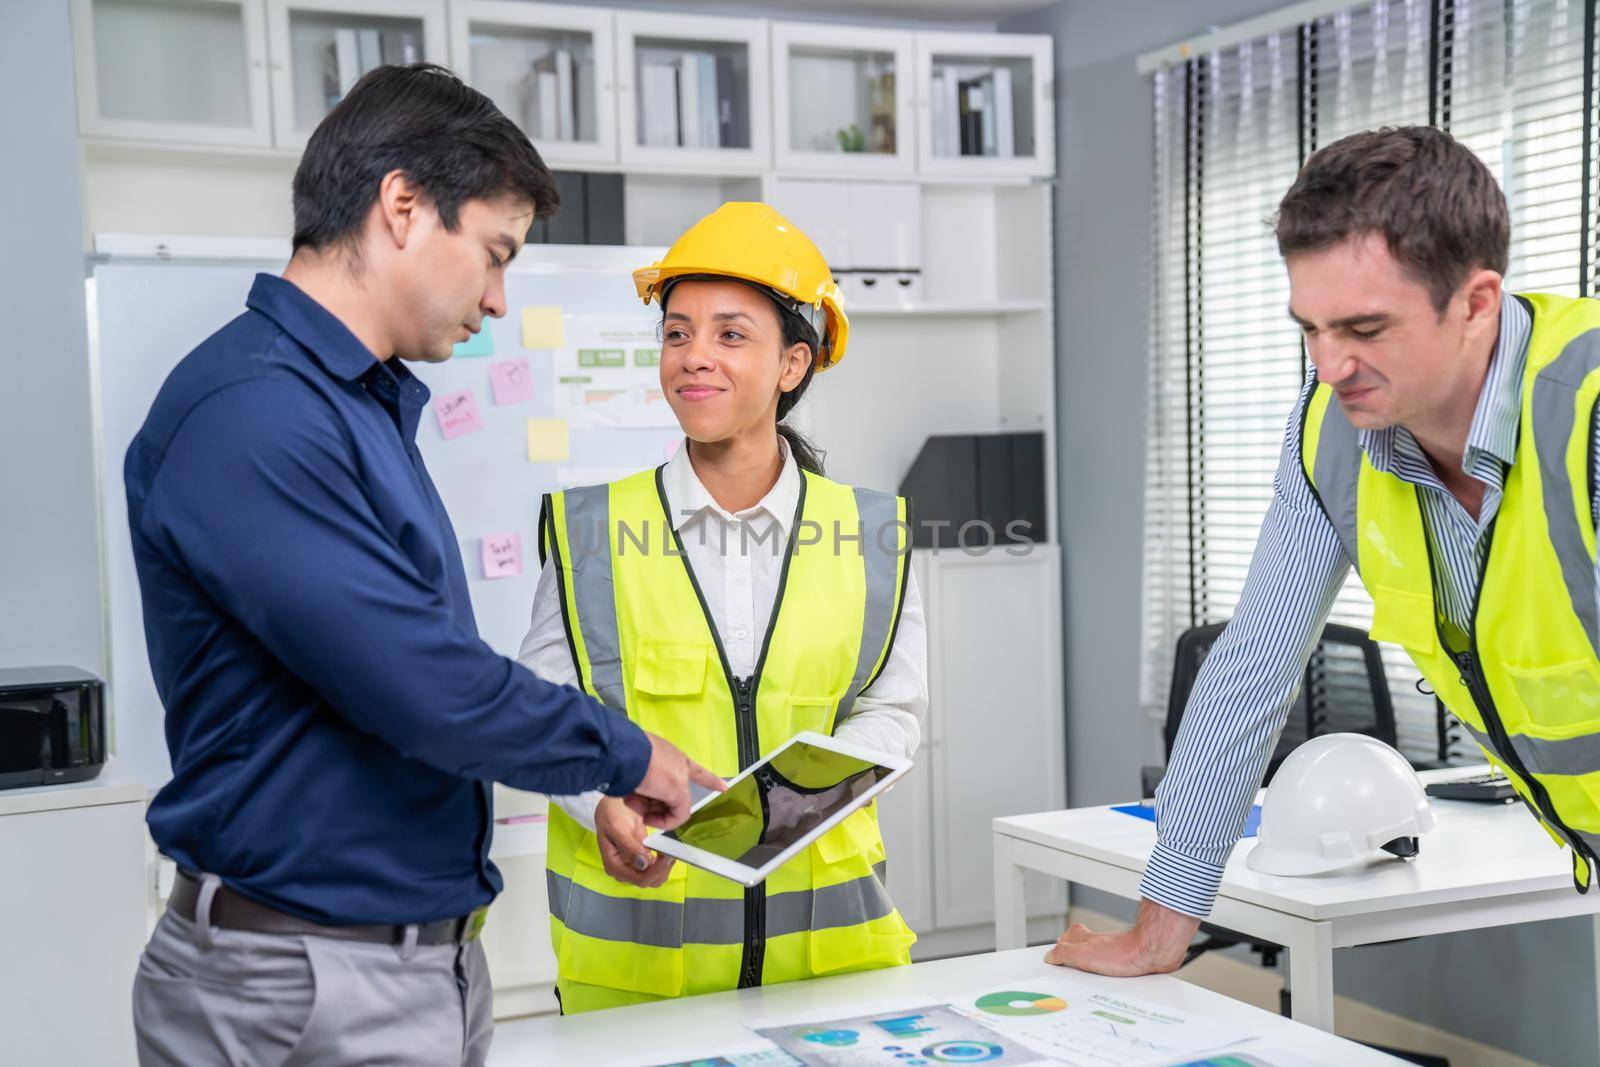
x=738 y=559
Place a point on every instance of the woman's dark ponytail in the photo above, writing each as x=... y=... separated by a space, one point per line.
x=797 y=330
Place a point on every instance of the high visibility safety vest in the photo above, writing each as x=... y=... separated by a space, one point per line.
x=1524 y=678
x=643 y=642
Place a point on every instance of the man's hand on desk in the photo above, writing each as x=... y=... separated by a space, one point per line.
x=662 y=798
x=1154 y=944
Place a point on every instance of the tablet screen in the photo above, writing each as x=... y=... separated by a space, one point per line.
x=783 y=800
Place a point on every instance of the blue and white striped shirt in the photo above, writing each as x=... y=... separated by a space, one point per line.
x=1250 y=679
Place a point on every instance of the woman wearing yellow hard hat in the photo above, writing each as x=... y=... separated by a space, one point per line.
x=767 y=600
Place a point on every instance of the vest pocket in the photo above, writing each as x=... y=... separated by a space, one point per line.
x=811 y=713
x=855 y=838
x=627 y=938
x=669 y=682
x=1405 y=619
x=1559 y=700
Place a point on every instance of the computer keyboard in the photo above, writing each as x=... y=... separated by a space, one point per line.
x=1491 y=788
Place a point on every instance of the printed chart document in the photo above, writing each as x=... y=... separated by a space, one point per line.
x=774 y=1057
x=1069 y=1022
x=932 y=1034
x=1251 y=1056
x=1054 y=1020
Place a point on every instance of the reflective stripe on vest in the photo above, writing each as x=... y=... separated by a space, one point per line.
x=1560 y=390
x=668 y=924
x=1526 y=681
x=643 y=643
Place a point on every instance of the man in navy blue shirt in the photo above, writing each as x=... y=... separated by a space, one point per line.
x=335 y=722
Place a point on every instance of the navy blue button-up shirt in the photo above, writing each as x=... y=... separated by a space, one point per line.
x=334 y=719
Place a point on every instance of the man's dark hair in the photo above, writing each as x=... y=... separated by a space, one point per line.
x=446 y=136
x=1427 y=194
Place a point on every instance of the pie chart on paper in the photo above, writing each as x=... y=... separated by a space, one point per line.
x=1014 y=1002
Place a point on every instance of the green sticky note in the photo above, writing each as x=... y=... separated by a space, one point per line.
x=479 y=344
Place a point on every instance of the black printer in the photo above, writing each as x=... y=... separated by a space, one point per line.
x=52 y=726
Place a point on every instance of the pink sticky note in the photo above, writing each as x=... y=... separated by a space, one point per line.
x=458 y=413
x=502 y=555
x=511 y=381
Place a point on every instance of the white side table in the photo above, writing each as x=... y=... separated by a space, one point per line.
x=1482 y=865
x=72 y=904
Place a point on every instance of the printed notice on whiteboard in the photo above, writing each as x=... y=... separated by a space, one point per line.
x=608 y=374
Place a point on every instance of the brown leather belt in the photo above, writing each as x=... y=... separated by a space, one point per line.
x=231 y=911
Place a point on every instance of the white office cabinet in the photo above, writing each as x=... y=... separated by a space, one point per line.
x=885 y=244
x=885 y=220
x=985 y=104
x=999 y=729
x=320 y=48
x=994 y=743
x=858 y=226
x=843 y=99
x=73 y=896
x=188 y=71
x=693 y=92
x=551 y=68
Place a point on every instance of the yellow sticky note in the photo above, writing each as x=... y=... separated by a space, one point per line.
x=542 y=327
x=547 y=441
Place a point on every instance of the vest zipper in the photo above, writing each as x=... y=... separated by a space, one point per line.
x=753 y=958
x=1470 y=664
x=754 y=955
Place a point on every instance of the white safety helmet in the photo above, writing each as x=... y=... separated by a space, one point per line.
x=1334 y=801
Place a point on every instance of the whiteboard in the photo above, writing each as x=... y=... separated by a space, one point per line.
x=147 y=314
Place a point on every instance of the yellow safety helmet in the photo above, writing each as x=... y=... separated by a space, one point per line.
x=753 y=243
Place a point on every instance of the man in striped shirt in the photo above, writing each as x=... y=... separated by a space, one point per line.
x=1395 y=242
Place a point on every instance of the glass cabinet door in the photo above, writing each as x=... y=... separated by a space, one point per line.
x=693 y=92
x=986 y=103
x=320 y=48
x=843 y=100
x=550 y=68
x=189 y=71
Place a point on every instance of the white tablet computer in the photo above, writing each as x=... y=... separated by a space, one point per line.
x=778 y=806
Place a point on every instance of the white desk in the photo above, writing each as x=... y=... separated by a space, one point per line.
x=1481 y=865
x=715 y=1024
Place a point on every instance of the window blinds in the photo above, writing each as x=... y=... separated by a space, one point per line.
x=1512 y=79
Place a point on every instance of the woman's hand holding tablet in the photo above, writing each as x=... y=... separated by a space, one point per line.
x=777 y=807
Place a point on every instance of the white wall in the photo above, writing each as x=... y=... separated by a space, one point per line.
x=49 y=541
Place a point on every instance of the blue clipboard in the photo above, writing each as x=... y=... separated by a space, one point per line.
x=1147 y=812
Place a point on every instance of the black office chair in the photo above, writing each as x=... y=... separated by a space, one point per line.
x=1344 y=690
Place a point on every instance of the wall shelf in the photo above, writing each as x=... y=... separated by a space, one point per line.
x=947 y=311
